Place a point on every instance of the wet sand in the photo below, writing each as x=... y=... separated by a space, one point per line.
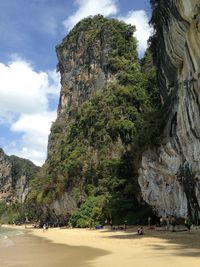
x=126 y=249
x=30 y=251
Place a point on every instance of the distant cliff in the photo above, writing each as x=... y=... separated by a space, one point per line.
x=170 y=173
x=106 y=106
x=15 y=174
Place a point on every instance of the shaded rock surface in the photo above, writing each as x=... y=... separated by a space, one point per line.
x=170 y=174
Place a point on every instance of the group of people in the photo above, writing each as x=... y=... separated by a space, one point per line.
x=166 y=222
x=170 y=222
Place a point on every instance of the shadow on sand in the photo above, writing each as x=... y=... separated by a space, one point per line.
x=179 y=243
x=30 y=251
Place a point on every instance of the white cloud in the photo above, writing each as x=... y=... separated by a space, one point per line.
x=24 y=106
x=90 y=8
x=35 y=129
x=23 y=90
x=37 y=124
x=143 y=30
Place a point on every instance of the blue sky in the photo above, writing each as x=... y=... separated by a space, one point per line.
x=29 y=84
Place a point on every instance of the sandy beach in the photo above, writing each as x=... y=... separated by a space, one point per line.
x=22 y=249
x=125 y=248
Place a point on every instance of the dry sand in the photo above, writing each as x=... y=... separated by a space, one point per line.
x=125 y=248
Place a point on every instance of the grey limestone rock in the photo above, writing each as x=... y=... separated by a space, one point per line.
x=169 y=176
x=15 y=174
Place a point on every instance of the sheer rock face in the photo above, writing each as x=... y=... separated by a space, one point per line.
x=13 y=185
x=22 y=188
x=84 y=69
x=63 y=205
x=170 y=174
x=5 y=178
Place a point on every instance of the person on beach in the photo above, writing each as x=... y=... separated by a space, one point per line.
x=149 y=222
x=167 y=223
x=161 y=221
x=188 y=223
x=140 y=230
x=44 y=227
x=173 y=223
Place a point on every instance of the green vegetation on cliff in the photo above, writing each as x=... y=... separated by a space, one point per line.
x=98 y=153
x=22 y=167
x=15 y=175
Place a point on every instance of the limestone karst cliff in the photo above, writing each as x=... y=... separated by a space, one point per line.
x=15 y=174
x=170 y=173
x=83 y=62
x=109 y=113
x=102 y=114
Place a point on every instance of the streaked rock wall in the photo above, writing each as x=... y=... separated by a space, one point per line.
x=170 y=174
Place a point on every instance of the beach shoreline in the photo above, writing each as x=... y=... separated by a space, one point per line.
x=126 y=248
x=21 y=248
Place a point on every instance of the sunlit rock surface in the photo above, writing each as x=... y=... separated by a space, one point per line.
x=84 y=69
x=170 y=174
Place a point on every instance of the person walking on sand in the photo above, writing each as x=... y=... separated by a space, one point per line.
x=44 y=227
